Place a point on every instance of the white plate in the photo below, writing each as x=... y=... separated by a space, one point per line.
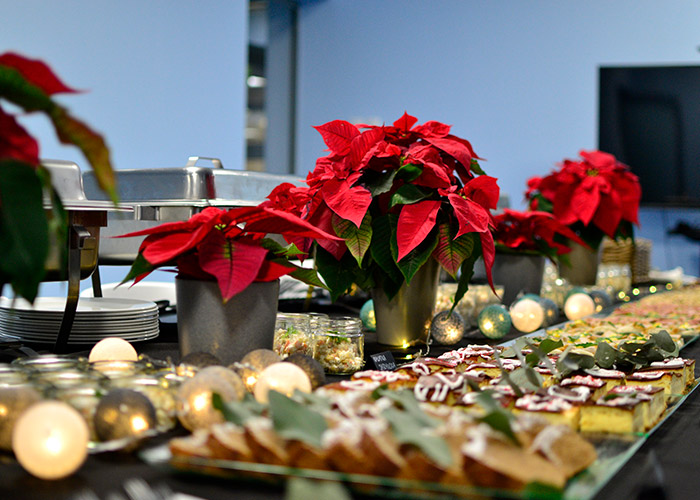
x=144 y=290
x=86 y=306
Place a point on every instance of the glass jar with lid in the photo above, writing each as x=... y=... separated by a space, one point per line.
x=340 y=347
x=293 y=334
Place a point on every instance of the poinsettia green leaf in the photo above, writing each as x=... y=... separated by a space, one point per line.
x=415 y=223
x=337 y=274
x=24 y=229
x=451 y=252
x=409 y=172
x=356 y=238
x=308 y=276
x=407 y=194
x=35 y=72
x=476 y=168
x=417 y=257
x=293 y=420
x=378 y=182
x=288 y=251
x=139 y=268
x=382 y=234
x=466 y=272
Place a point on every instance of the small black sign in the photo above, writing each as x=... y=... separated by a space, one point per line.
x=383 y=361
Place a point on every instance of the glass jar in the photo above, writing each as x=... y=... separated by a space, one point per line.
x=293 y=334
x=159 y=390
x=340 y=348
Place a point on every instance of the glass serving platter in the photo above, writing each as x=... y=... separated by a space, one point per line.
x=613 y=452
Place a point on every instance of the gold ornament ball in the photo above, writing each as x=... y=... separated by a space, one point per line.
x=13 y=401
x=281 y=377
x=314 y=369
x=123 y=413
x=50 y=440
x=194 y=398
x=527 y=315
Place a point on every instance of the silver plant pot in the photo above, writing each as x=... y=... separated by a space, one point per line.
x=406 y=318
x=518 y=273
x=228 y=331
x=584 y=266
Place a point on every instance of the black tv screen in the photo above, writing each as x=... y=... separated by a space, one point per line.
x=649 y=118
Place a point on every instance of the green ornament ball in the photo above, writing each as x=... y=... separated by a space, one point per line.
x=494 y=321
x=601 y=299
x=369 y=320
x=551 y=311
x=573 y=290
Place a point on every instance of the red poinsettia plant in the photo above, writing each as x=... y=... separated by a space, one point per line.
x=26 y=224
x=533 y=233
x=595 y=196
x=397 y=195
x=229 y=246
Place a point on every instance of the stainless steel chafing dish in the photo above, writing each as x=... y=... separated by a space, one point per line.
x=159 y=195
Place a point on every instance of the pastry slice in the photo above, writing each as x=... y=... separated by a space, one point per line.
x=597 y=386
x=553 y=409
x=655 y=397
x=673 y=383
x=617 y=414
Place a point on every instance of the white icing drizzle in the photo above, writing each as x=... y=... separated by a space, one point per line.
x=670 y=363
x=545 y=440
x=648 y=375
x=621 y=401
x=587 y=380
x=577 y=394
x=536 y=402
x=635 y=389
x=604 y=373
x=476 y=444
x=436 y=387
x=359 y=385
x=381 y=376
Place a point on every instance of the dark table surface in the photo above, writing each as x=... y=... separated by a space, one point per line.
x=666 y=466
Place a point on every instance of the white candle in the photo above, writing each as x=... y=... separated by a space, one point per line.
x=281 y=377
x=50 y=440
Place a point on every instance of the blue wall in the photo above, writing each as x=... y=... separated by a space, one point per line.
x=516 y=78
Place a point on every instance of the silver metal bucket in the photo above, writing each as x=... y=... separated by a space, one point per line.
x=228 y=331
x=518 y=273
x=406 y=318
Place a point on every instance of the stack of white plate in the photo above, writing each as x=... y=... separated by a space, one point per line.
x=95 y=319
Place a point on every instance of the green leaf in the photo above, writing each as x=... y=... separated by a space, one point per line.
x=539 y=491
x=664 y=341
x=409 y=172
x=526 y=377
x=416 y=258
x=570 y=362
x=408 y=194
x=476 y=168
x=138 y=267
x=381 y=247
x=289 y=251
x=466 y=273
x=548 y=345
x=299 y=488
x=238 y=412
x=496 y=417
x=293 y=420
x=308 y=276
x=24 y=228
x=451 y=252
x=338 y=274
x=605 y=355
x=408 y=402
x=356 y=238
x=408 y=430
x=378 y=182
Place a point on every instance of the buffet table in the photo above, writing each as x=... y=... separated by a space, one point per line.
x=664 y=467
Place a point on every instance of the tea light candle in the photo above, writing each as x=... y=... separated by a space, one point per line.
x=281 y=377
x=527 y=315
x=113 y=349
x=579 y=305
x=50 y=440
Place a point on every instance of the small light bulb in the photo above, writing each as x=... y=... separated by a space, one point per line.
x=281 y=377
x=527 y=315
x=579 y=305
x=113 y=349
x=50 y=440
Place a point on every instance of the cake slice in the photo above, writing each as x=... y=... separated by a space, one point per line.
x=617 y=414
x=655 y=397
x=689 y=372
x=673 y=383
x=610 y=377
x=597 y=386
x=439 y=387
x=553 y=409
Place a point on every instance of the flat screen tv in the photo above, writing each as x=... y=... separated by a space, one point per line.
x=649 y=118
